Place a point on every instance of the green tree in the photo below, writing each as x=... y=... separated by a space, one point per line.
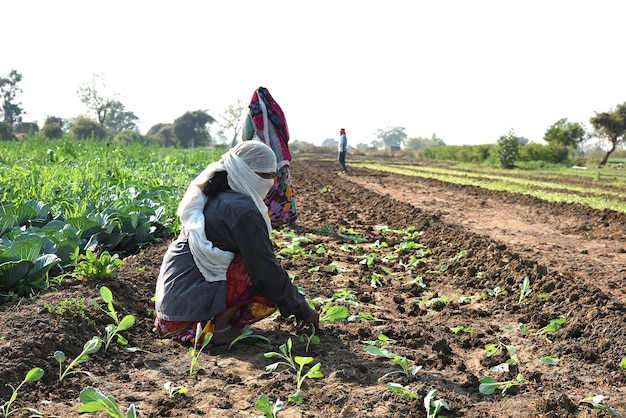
x=330 y=142
x=508 y=150
x=391 y=136
x=232 y=119
x=96 y=97
x=86 y=128
x=119 y=119
x=570 y=134
x=611 y=127
x=421 y=142
x=191 y=129
x=11 y=111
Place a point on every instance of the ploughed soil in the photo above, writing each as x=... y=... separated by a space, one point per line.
x=476 y=248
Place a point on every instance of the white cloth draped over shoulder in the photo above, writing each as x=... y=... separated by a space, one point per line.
x=241 y=163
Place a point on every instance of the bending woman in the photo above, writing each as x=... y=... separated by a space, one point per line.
x=266 y=121
x=221 y=272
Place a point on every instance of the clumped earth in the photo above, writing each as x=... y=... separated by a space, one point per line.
x=481 y=242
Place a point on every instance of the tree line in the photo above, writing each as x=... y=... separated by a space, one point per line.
x=107 y=117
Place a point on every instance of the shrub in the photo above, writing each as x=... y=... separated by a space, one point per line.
x=6 y=132
x=508 y=150
x=86 y=128
x=53 y=128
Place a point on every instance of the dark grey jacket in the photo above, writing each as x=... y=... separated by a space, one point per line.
x=232 y=223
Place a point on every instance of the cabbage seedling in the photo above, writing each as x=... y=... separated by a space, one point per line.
x=114 y=329
x=285 y=354
x=310 y=339
x=247 y=333
x=194 y=351
x=174 y=390
x=596 y=403
x=433 y=407
x=33 y=375
x=398 y=388
x=401 y=361
x=333 y=313
x=90 y=347
x=270 y=409
x=525 y=291
x=553 y=326
x=94 y=401
x=313 y=373
x=488 y=384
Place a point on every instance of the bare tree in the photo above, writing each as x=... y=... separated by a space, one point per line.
x=95 y=96
x=232 y=117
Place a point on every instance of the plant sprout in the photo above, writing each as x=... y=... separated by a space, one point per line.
x=270 y=409
x=194 y=351
x=525 y=291
x=174 y=390
x=493 y=349
x=113 y=330
x=596 y=403
x=94 y=401
x=434 y=407
x=488 y=385
x=310 y=339
x=401 y=361
x=333 y=313
x=398 y=388
x=33 y=375
x=553 y=326
x=90 y=347
x=246 y=332
x=313 y=373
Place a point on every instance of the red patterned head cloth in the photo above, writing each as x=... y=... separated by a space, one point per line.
x=270 y=122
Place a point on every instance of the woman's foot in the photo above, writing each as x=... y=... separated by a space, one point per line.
x=225 y=335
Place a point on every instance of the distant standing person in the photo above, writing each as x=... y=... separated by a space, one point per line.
x=343 y=148
x=266 y=122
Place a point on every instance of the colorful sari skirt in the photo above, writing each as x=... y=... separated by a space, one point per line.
x=280 y=200
x=253 y=306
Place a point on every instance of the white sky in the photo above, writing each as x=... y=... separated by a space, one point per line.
x=467 y=70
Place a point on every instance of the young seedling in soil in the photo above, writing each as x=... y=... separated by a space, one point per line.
x=401 y=361
x=493 y=349
x=33 y=375
x=596 y=403
x=550 y=361
x=310 y=339
x=92 y=266
x=174 y=390
x=95 y=401
x=622 y=364
x=194 y=351
x=285 y=354
x=313 y=373
x=270 y=409
x=293 y=363
x=380 y=341
x=553 y=326
x=434 y=407
x=525 y=291
x=333 y=313
x=398 y=388
x=246 y=332
x=460 y=328
x=365 y=316
x=488 y=385
x=113 y=330
x=90 y=347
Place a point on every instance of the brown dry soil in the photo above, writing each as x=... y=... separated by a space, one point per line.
x=573 y=256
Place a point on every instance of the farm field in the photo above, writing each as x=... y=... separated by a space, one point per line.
x=431 y=272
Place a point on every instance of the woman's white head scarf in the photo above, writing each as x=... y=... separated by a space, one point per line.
x=241 y=162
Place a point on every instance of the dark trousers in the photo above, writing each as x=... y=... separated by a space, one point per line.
x=342 y=160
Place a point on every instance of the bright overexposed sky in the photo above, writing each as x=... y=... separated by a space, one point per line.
x=466 y=70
